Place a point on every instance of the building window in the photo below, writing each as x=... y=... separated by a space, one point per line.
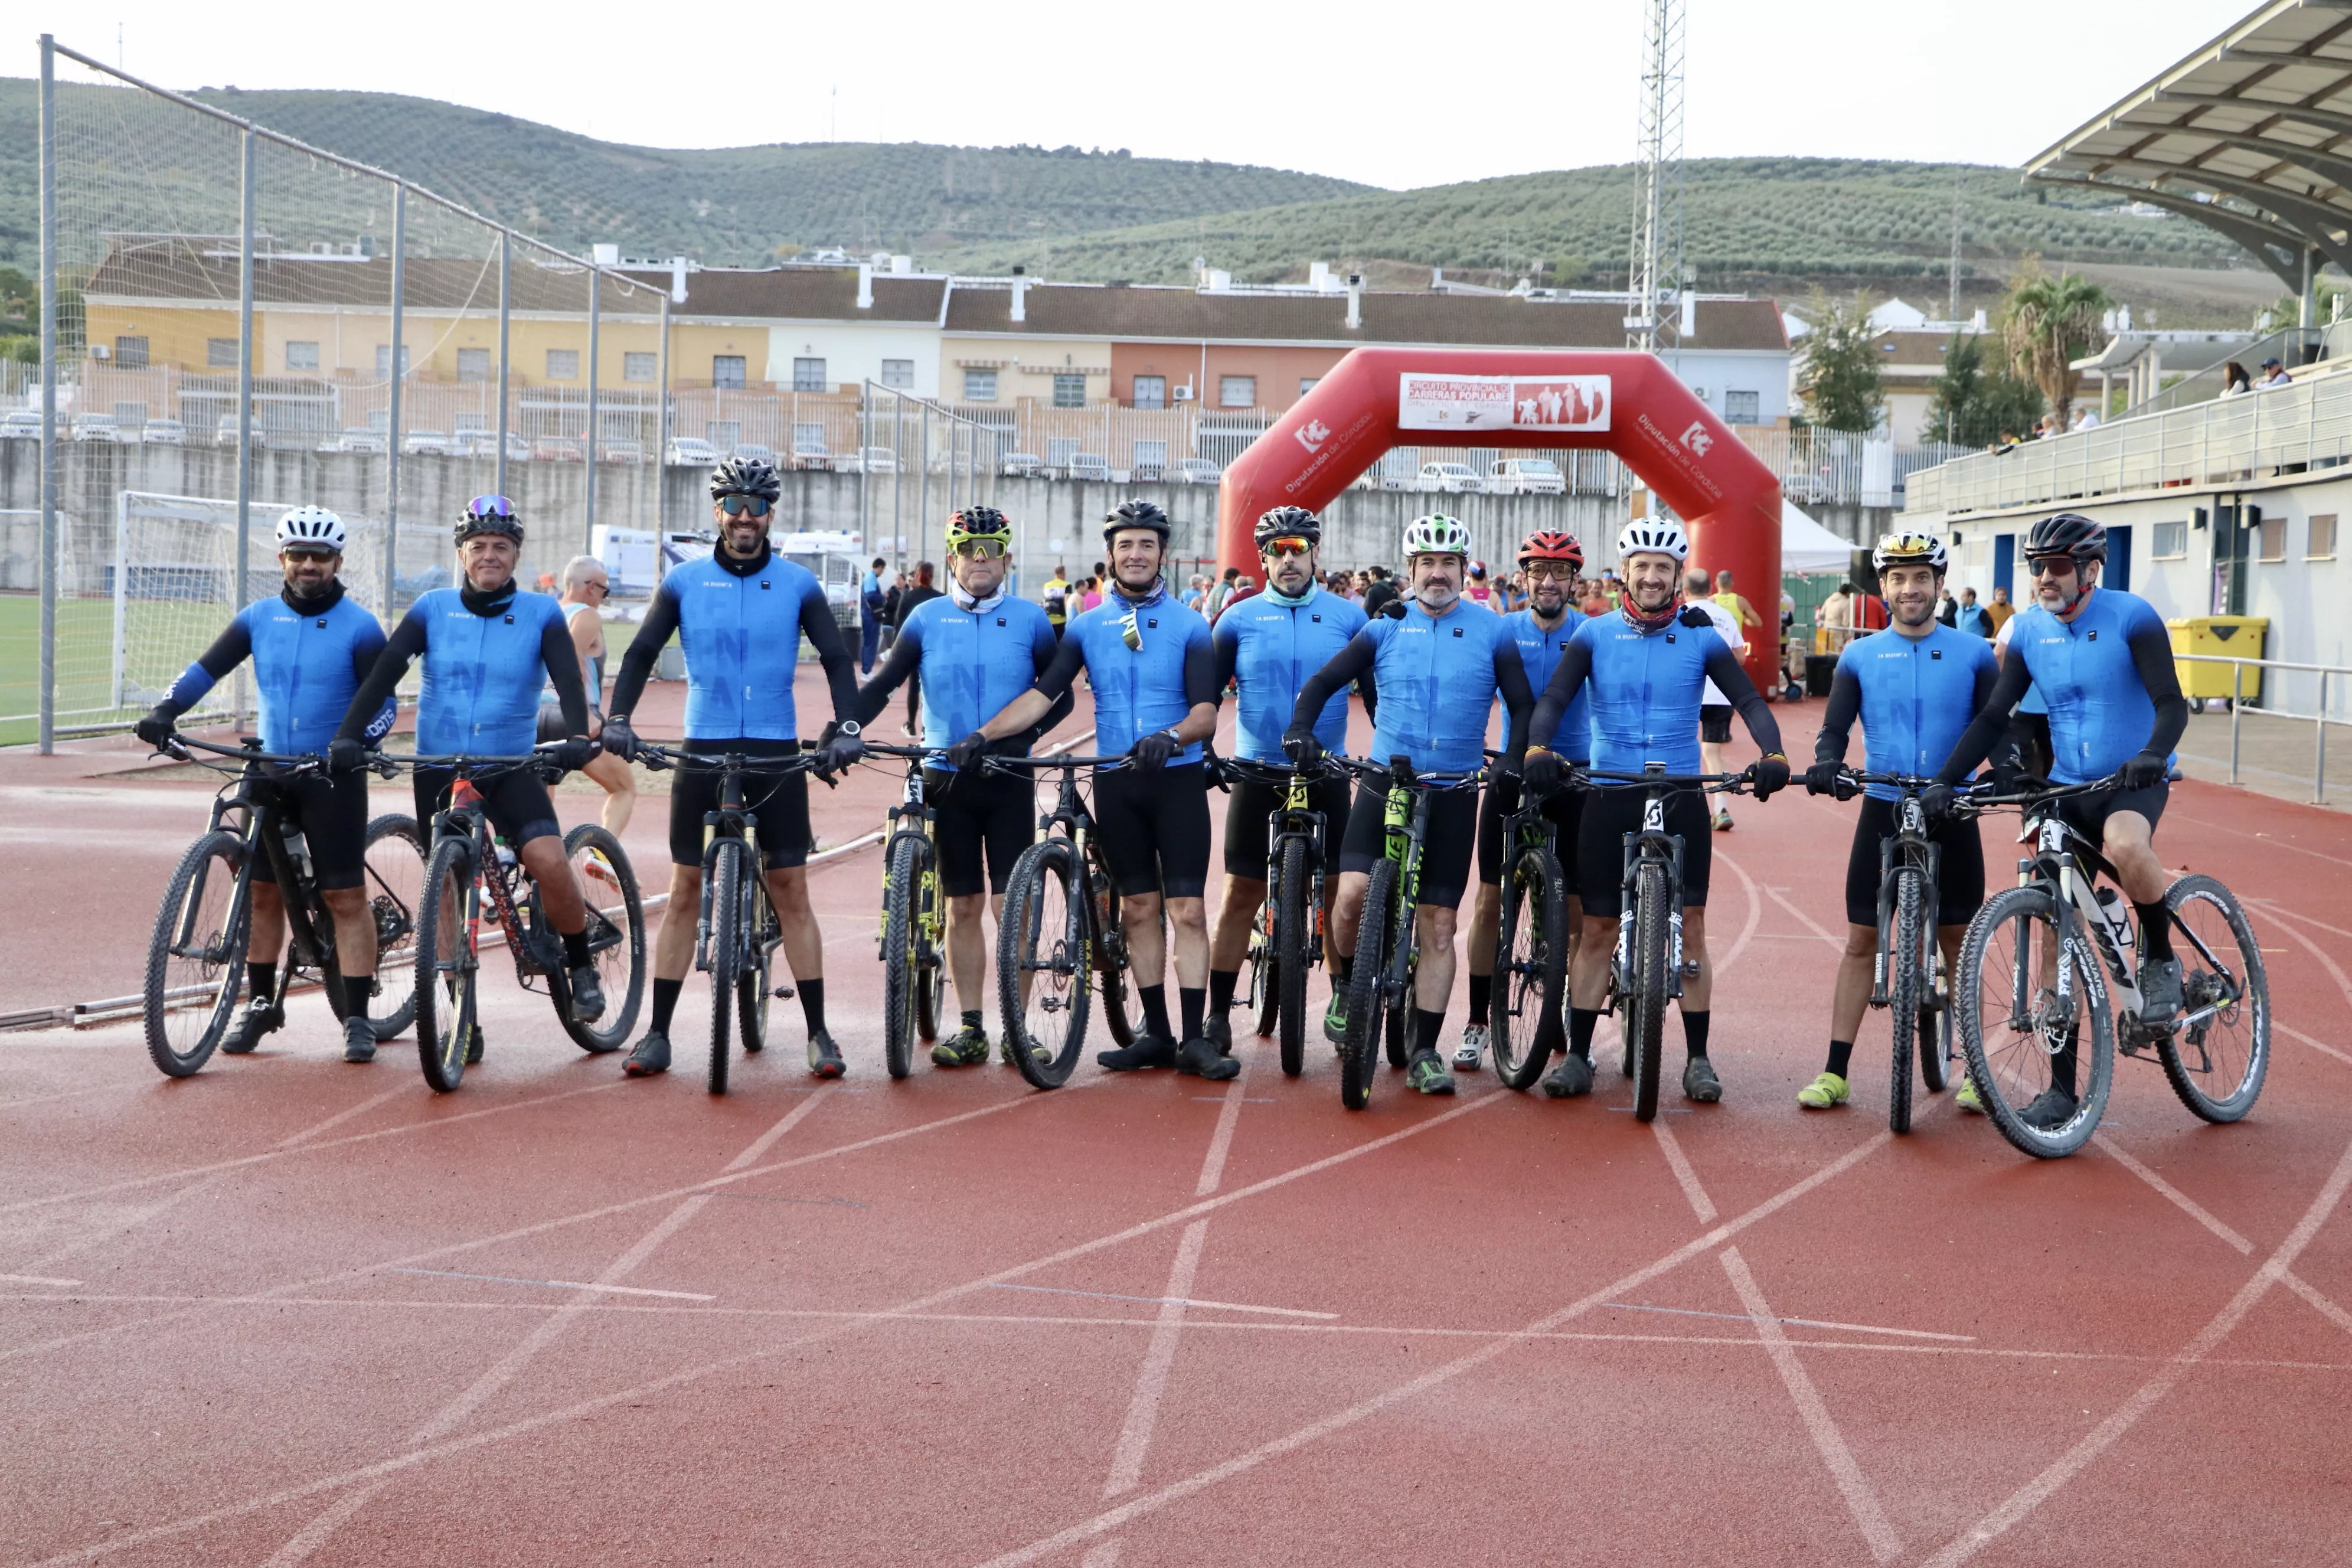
x=1151 y=392
x=2321 y=545
x=564 y=365
x=131 y=353
x=1306 y=384
x=2273 y=539
x=808 y=375
x=1740 y=408
x=727 y=371
x=1237 y=392
x=2169 y=541
x=1069 y=389
x=220 y=353
x=473 y=364
x=305 y=356
x=383 y=361
x=980 y=386
x=899 y=373
x=640 y=367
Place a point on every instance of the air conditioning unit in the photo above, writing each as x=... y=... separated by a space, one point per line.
x=1182 y=393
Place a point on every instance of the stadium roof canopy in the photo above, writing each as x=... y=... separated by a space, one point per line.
x=2250 y=135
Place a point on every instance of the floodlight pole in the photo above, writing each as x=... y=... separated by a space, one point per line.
x=661 y=457
x=392 y=420
x=48 y=115
x=505 y=307
x=239 y=593
x=588 y=536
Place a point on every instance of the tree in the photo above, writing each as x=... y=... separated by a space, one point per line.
x=2048 y=323
x=1838 y=375
x=1974 y=403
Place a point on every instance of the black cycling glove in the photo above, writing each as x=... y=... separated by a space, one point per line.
x=1694 y=617
x=1306 y=752
x=966 y=753
x=1828 y=778
x=618 y=740
x=1151 y=753
x=1936 y=802
x=2142 y=771
x=572 y=753
x=1771 y=775
x=156 y=728
x=345 y=755
x=838 y=752
x=1541 y=772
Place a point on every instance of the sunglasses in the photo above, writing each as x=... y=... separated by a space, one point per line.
x=980 y=548
x=2052 y=566
x=739 y=506
x=489 y=506
x=1288 y=545
x=309 y=552
x=1557 y=573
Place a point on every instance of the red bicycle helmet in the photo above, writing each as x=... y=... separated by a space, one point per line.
x=1549 y=544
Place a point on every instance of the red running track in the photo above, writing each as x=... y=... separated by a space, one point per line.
x=295 y=1311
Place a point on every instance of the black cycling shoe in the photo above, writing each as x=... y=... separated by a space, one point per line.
x=474 y=1046
x=652 y=1055
x=1200 y=1057
x=1149 y=1051
x=825 y=1057
x=2160 y=992
x=1219 y=1032
x=1428 y=1074
x=2050 y=1109
x=1572 y=1077
x=359 y=1038
x=257 y=1020
x=587 y=995
x=1699 y=1081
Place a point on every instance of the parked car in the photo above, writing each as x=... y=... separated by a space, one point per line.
x=430 y=444
x=1090 y=466
x=620 y=450
x=555 y=449
x=95 y=428
x=485 y=444
x=1449 y=479
x=164 y=433
x=1023 y=465
x=868 y=460
x=755 y=450
x=1196 y=471
x=1146 y=473
x=25 y=425
x=358 y=438
x=691 y=452
x=1528 y=476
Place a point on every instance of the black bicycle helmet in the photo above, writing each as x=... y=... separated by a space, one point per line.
x=491 y=515
x=2068 y=533
x=1289 y=523
x=1136 y=514
x=746 y=476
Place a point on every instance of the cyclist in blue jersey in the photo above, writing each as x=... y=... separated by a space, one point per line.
x=971 y=651
x=1550 y=564
x=487 y=648
x=740 y=613
x=2101 y=660
x=1648 y=666
x=311 y=645
x=1914 y=686
x=1267 y=644
x=1154 y=676
x=1439 y=667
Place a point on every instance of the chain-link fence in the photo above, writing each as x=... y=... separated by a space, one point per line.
x=920 y=461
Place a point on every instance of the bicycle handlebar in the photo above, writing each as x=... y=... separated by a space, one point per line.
x=176 y=745
x=660 y=758
x=1012 y=765
x=1707 y=784
x=1363 y=769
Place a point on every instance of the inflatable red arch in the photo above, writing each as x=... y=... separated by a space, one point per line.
x=1629 y=404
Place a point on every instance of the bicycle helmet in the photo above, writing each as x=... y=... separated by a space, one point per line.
x=979 y=522
x=311 y=525
x=1136 y=514
x=493 y=515
x=746 y=476
x=1436 y=534
x=1911 y=549
x=1289 y=523
x=1550 y=544
x=1660 y=535
x=2068 y=533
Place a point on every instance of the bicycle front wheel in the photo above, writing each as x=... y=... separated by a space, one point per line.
x=726 y=951
x=899 y=979
x=2025 y=1033
x=1293 y=935
x=446 y=963
x=2218 y=1061
x=615 y=932
x=1645 y=1013
x=395 y=884
x=754 y=989
x=196 y=959
x=1368 y=991
x=1530 y=967
x=1042 y=955
x=1905 y=970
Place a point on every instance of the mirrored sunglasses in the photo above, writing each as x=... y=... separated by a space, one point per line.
x=739 y=506
x=1289 y=545
x=489 y=506
x=2052 y=566
x=981 y=549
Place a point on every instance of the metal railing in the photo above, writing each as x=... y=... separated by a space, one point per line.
x=2318 y=720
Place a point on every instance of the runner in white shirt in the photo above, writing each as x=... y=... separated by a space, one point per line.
x=1714 y=708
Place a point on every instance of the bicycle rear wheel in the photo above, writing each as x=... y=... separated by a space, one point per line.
x=899 y=981
x=2217 y=1064
x=1366 y=992
x=1904 y=961
x=1110 y=970
x=1645 y=1013
x=395 y=882
x=726 y=951
x=615 y=932
x=196 y=959
x=1530 y=967
x=446 y=963
x=755 y=990
x=1936 y=1050
x=2021 y=1038
x=1267 y=970
x=1292 y=935
x=1042 y=953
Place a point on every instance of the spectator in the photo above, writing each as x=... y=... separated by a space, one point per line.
x=1093 y=594
x=1948 y=609
x=1222 y=591
x=1714 y=708
x=1381 y=594
x=921 y=592
x=1592 y=601
x=2001 y=610
x=1741 y=610
x=1973 y=616
x=1056 y=594
x=890 y=602
x=870 y=598
x=1835 y=617
x=1198 y=595
x=2274 y=374
x=2085 y=418
x=1479 y=591
x=2234 y=380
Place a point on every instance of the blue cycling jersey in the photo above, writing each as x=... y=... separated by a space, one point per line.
x=482 y=674
x=973 y=664
x=1274 y=648
x=1646 y=688
x=1539 y=651
x=306 y=669
x=2100 y=712
x=1438 y=677
x=1138 y=691
x=741 y=637
x=1917 y=696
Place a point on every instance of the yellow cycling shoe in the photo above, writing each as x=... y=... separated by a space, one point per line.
x=1967 y=1099
x=1823 y=1092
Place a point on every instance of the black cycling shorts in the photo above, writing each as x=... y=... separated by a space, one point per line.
x=778 y=805
x=1251 y=809
x=332 y=811
x=975 y=811
x=1446 y=852
x=2029 y=733
x=2089 y=813
x=1154 y=829
x=1563 y=808
x=551 y=722
x=1715 y=723
x=1612 y=813
x=1960 y=867
x=518 y=804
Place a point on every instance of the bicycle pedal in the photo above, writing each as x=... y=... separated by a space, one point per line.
x=781 y=993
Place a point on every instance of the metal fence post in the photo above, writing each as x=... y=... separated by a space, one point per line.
x=2319 y=753
x=244 y=385
x=2236 y=700
x=897 y=470
x=391 y=414
x=506 y=310
x=48 y=116
x=923 y=486
x=588 y=535
x=661 y=458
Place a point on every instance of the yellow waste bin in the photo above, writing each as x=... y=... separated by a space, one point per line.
x=2225 y=636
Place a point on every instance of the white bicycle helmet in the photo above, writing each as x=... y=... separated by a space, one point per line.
x=313 y=525
x=1659 y=534
x=1436 y=534
x=1911 y=548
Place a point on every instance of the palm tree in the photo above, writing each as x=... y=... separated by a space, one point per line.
x=2046 y=323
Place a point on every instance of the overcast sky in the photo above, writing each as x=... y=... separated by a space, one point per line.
x=1381 y=93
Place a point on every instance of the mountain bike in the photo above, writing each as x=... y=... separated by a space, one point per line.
x=472 y=874
x=1060 y=934
x=736 y=932
x=1647 y=971
x=1287 y=939
x=914 y=917
x=1530 y=948
x=1388 y=953
x=2040 y=960
x=196 y=956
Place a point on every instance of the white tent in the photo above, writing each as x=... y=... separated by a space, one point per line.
x=1807 y=546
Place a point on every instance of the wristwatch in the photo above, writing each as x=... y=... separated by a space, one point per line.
x=849 y=727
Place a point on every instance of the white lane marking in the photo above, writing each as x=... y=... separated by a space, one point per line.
x=2334 y=970
x=2179 y=1199
x=2286 y=1028
x=2271 y=839
x=557 y=1284
x=317 y=1534
x=2309 y=1292
x=1860 y=1500
x=1805 y=920
x=38 y=1279
x=1159 y=1360
x=1679 y=1163
x=1104 y=1554
x=1221 y=1141
x=1800 y=1322
x=1747 y=931
x=2072 y=1463
x=362 y=1109
x=1168 y=1301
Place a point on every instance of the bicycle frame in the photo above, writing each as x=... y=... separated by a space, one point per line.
x=1910 y=840
x=467 y=817
x=1651 y=842
x=913 y=818
x=262 y=828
